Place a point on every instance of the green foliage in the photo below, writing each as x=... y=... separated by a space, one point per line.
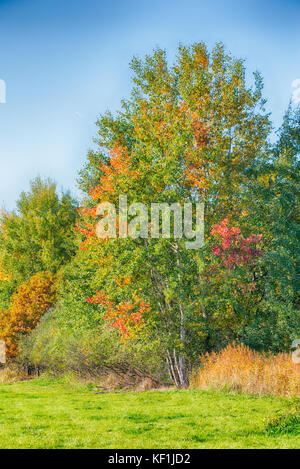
x=40 y=235
x=274 y=207
x=7 y=288
x=76 y=285
x=193 y=131
x=188 y=133
x=88 y=351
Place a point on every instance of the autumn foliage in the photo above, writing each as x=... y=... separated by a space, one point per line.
x=192 y=132
x=241 y=369
x=232 y=248
x=113 y=172
x=28 y=304
x=187 y=134
x=126 y=317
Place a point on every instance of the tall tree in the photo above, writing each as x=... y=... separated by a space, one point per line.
x=39 y=235
x=188 y=134
x=274 y=206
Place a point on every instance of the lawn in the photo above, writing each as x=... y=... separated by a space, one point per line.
x=54 y=414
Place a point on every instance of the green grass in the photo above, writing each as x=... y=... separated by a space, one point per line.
x=54 y=414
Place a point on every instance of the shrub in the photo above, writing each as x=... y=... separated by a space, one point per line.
x=90 y=353
x=241 y=369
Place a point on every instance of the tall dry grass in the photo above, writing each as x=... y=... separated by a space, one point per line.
x=12 y=374
x=241 y=369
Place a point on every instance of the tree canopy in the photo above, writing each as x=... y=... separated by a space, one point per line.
x=39 y=235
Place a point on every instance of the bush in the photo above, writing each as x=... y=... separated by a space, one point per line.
x=90 y=353
x=241 y=369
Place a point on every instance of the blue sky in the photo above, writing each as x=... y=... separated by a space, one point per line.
x=65 y=62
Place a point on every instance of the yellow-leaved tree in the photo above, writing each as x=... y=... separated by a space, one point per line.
x=32 y=299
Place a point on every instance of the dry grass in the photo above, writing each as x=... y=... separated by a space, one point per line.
x=114 y=382
x=12 y=374
x=108 y=382
x=241 y=369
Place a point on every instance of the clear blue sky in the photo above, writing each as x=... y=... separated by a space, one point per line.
x=66 y=61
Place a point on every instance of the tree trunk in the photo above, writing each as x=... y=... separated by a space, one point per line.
x=177 y=369
x=184 y=382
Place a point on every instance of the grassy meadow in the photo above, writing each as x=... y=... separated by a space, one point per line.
x=42 y=413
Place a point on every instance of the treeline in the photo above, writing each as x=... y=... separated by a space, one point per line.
x=190 y=132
